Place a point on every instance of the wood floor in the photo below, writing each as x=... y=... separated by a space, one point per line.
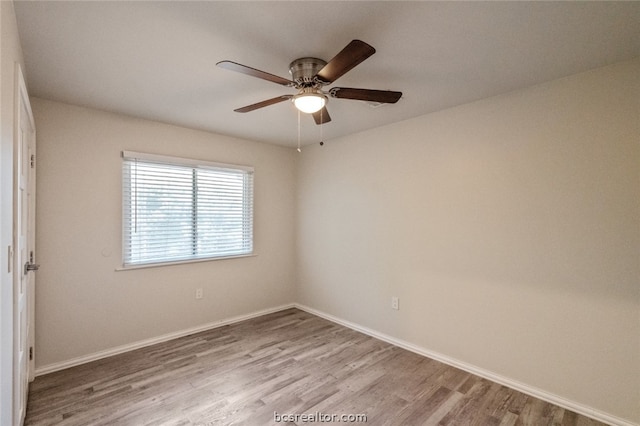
x=287 y=363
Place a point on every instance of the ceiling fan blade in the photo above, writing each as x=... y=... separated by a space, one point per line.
x=354 y=53
x=381 y=96
x=233 y=66
x=322 y=116
x=262 y=104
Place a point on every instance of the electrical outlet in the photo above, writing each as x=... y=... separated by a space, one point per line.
x=199 y=293
x=395 y=303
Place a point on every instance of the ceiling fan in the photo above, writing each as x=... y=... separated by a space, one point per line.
x=310 y=75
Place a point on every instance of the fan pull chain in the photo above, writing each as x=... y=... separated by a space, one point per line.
x=299 y=150
x=321 y=126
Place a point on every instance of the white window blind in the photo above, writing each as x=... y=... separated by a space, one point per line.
x=179 y=209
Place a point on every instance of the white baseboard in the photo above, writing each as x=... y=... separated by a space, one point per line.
x=50 y=368
x=489 y=375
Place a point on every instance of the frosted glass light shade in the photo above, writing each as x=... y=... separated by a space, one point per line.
x=309 y=102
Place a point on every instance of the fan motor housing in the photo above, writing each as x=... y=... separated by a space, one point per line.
x=304 y=70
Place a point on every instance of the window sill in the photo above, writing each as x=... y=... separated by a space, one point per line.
x=181 y=262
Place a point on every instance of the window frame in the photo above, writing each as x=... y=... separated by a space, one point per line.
x=193 y=165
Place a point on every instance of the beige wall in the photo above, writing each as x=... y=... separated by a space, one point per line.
x=83 y=304
x=10 y=55
x=509 y=228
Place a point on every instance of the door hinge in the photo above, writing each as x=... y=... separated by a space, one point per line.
x=33 y=160
x=30 y=353
x=9 y=258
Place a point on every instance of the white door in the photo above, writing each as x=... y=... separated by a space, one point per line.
x=24 y=238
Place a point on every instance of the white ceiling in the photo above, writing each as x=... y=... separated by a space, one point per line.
x=156 y=60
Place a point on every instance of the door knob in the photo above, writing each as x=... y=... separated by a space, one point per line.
x=30 y=267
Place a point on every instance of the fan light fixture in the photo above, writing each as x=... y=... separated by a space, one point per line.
x=310 y=75
x=309 y=101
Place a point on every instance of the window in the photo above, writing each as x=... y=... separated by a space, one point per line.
x=178 y=210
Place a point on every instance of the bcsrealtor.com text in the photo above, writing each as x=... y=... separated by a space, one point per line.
x=318 y=417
